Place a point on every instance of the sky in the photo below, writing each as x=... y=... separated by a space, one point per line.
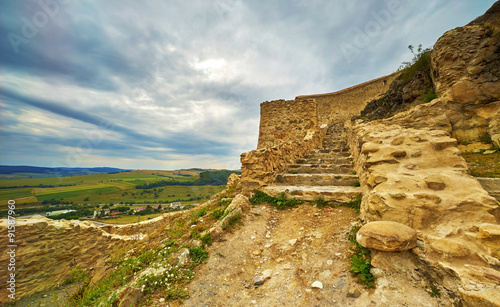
x=169 y=85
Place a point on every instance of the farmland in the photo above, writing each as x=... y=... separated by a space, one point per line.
x=123 y=187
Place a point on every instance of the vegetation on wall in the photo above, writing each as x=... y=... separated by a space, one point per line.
x=413 y=86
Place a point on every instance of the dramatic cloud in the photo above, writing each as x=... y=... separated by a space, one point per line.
x=177 y=84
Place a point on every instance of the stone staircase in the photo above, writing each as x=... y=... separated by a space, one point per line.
x=325 y=173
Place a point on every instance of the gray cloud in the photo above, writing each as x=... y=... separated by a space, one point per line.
x=182 y=81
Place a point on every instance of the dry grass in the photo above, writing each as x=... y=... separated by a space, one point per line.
x=483 y=165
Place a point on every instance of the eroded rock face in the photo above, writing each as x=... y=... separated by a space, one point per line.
x=387 y=236
x=430 y=190
x=47 y=250
x=465 y=71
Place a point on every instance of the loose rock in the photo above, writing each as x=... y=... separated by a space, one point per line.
x=387 y=236
x=317 y=285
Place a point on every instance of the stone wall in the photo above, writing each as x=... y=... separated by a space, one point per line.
x=342 y=105
x=418 y=178
x=46 y=250
x=283 y=121
x=260 y=167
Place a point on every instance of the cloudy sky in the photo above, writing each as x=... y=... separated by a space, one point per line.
x=167 y=84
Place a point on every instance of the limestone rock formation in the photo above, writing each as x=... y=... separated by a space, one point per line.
x=465 y=71
x=387 y=236
x=430 y=190
x=47 y=250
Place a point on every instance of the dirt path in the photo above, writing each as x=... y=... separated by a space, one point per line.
x=294 y=248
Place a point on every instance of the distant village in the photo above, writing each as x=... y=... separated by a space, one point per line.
x=134 y=209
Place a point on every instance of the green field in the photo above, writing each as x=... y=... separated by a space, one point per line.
x=70 y=195
x=106 y=189
x=6 y=194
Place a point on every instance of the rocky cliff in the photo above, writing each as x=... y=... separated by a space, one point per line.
x=465 y=72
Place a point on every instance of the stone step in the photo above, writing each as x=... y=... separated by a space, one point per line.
x=328 y=144
x=338 y=154
x=331 y=149
x=317 y=179
x=331 y=194
x=319 y=169
x=332 y=160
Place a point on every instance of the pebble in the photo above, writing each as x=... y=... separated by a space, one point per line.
x=267 y=273
x=317 y=285
x=329 y=262
x=258 y=280
x=45 y=295
x=338 y=254
x=252 y=237
x=353 y=292
x=162 y=300
x=292 y=242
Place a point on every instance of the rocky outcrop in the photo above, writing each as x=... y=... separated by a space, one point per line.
x=47 y=251
x=417 y=177
x=465 y=72
x=401 y=94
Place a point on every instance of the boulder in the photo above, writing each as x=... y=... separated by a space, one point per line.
x=387 y=236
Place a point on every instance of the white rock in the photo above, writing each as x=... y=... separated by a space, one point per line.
x=292 y=242
x=317 y=285
x=267 y=273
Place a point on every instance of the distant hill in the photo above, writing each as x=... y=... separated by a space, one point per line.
x=57 y=171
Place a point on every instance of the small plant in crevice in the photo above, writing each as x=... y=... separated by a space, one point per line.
x=281 y=202
x=433 y=290
x=360 y=260
x=356 y=184
x=321 y=203
x=485 y=139
x=429 y=95
x=355 y=203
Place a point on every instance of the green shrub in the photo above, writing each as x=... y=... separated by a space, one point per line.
x=421 y=61
x=206 y=239
x=356 y=184
x=198 y=254
x=217 y=213
x=202 y=212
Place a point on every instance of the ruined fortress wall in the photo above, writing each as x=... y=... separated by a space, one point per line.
x=342 y=105
x=283 y=121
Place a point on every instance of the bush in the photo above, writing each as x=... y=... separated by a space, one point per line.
x=421 y=61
